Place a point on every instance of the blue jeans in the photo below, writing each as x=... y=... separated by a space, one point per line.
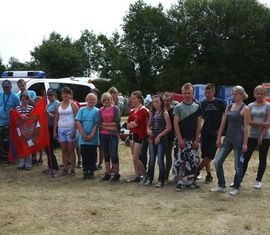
x=159 y=151
x=224 y=151
x=109 y=145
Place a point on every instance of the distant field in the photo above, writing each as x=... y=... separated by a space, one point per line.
x=31 y=203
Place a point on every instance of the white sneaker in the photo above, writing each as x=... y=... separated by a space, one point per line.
x=258 y=185
x=234 y=192
x=218 y=189
x=199 y=177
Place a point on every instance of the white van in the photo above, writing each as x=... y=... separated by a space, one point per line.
x=41 y=85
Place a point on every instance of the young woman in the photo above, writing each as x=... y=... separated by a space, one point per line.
x=51 y=107
x=237 y=116
x=259 y=133
x=160 y=125
x=87 y=124
x=24 y=109
x=109 y=119
x=137 y=123
x=65 y=123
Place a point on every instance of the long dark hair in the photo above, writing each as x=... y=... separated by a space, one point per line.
x=162 y=104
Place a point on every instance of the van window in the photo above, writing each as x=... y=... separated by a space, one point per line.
x=79 y=91
x=39 y=88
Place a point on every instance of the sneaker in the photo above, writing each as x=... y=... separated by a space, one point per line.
x=232 y=185
x=234 y=191
x=179 y=187
x=115 y=178
x=98 y=167
x=135 y=179
x=148 y=182
x=258 y=185
x=198 y=176
x=106 y=177
x=72 y=173
x=85 y=175
x=63 y=173
x=218 y=189
x=193 y=186
x=159 y=184
x=29 y=168
x=143 y=179
x=48 y=172
x=208 y=179
x=91 y=175
x=79 y=164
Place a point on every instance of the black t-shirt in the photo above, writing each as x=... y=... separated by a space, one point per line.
x=212 y=114
x=170 y=135
x=188 y=116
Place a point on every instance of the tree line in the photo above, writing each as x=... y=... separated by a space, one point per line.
x=226 y=42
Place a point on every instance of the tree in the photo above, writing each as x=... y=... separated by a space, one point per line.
x=59 y=57
x=220 y=41
x=2 y=67
x=144 y=41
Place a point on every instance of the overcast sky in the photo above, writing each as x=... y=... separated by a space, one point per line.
x=24 y=24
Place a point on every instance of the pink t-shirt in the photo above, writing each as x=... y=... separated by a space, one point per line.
x=107 y=117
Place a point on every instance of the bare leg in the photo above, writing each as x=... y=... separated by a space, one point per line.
x=64 y=148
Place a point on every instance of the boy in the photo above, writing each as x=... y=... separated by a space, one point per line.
x=86 y=122
x=187 y=126
x=212 y=111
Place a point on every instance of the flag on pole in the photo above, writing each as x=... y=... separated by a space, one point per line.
x=28 y=135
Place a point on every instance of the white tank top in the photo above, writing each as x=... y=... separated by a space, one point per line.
x=66 y=117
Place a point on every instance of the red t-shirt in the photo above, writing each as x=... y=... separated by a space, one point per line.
x=141 y=119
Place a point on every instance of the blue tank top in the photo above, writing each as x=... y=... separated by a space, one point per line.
x=235 y=130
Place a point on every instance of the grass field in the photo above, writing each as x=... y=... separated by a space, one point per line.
x=31 y=203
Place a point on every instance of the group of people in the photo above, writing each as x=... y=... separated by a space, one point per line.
x=163 y=128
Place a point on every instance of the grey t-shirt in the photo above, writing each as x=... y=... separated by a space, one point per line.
x=258 y=114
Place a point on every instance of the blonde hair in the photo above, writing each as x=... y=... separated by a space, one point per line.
x=259 y=88
x=188 y=86
x=89 y=95
x=241 y=91
x=113 y=90
x=106 y=95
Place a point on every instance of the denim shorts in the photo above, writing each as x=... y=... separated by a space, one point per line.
x=64 y=135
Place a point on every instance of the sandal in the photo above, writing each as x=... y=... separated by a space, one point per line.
x=63 y=173
x=72 y=173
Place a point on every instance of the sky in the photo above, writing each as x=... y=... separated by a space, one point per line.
x=24 y=24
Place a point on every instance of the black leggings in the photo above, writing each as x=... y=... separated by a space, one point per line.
x=89 y=157
x=263 y=150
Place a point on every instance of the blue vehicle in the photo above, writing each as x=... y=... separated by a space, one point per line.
x=225 y=93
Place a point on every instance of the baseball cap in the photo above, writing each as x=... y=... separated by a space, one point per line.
x=50 y=91
x=6 y=83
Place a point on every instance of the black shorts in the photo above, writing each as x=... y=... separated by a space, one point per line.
x=208 y=146
x=135 y=138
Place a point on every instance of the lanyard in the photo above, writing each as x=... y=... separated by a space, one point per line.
x=5 y=101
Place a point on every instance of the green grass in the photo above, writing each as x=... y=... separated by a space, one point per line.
x=31 y=203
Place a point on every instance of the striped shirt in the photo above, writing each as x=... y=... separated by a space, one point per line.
x=24 y=110
x=158 y=123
